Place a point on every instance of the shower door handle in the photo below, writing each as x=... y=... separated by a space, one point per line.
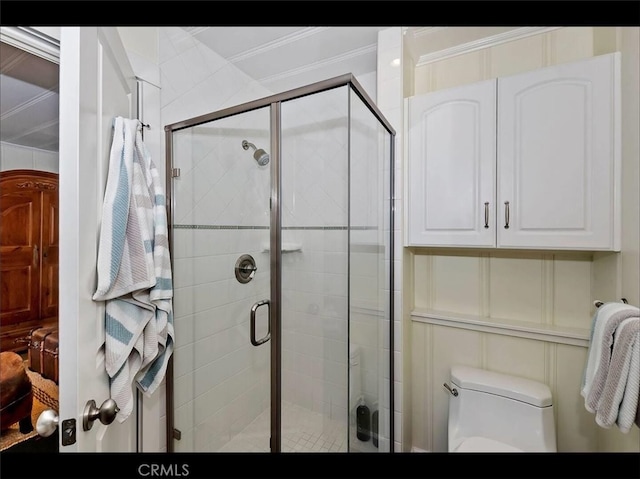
x=254 y=308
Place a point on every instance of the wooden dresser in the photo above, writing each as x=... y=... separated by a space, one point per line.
x=28 y=254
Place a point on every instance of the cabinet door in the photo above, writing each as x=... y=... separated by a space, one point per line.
x=451 y=174
x=558 y=158
x=20 y=207
x=50 y=246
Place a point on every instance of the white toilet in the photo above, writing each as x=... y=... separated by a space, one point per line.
x=494 y=412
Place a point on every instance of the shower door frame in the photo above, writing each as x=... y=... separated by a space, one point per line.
x=275 y=317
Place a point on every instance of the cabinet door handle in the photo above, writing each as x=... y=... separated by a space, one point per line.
x=506 y=215
x=35 y=256
x=486 y=214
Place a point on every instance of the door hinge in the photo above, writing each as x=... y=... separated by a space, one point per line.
x=68 y=432
x=177 y=435
x=175 y=173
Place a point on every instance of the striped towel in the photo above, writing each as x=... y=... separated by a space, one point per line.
x=134 y=270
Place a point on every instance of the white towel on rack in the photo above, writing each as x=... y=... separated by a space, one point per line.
x=601 y=317
x=619 y=400
x=629 y=411
x=609 y=327
x=134 y=270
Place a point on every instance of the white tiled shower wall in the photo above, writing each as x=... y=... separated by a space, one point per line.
x=314 y=280
x=209 y=321
x=221 y=379
x=211 y=332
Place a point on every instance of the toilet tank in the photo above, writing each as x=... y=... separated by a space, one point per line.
x=502 y=412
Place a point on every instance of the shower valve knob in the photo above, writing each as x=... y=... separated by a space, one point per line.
x=245 y=268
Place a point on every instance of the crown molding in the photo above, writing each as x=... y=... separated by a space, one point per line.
x=373 y=48
x=193 y=31
x=291 y=38
x=480 y=44
x=422 y=31
x=32 y=41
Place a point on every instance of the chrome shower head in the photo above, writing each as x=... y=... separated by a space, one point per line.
x=261 y=156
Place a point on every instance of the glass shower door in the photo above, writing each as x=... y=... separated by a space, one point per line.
x=369 y=280
x=220 y=238
x=283 y=275
x=335 y=275
x=315 y=167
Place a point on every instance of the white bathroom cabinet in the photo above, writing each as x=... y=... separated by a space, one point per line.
x=529 y=161
x=452 y=166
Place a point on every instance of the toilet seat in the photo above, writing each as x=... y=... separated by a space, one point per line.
x=484 y=444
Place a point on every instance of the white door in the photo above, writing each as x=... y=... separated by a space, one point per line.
x=452 y=156
x=96 y=84
x=558 y=156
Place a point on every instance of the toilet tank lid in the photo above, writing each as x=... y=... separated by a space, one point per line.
x=521 y=389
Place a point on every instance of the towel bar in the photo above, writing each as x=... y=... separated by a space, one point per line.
x=598 y=303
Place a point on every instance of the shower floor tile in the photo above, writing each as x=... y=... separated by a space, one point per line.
x=302 y=431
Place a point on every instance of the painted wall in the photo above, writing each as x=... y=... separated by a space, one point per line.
x=550 y=289
x=221 y=379
x=15 y=157
x=625 y=273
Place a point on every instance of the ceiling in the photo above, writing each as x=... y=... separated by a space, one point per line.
x=280 y=58
x=28 y=99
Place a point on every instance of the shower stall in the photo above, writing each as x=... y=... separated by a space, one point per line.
x=281 y=232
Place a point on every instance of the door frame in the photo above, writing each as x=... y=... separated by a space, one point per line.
x=40 y=42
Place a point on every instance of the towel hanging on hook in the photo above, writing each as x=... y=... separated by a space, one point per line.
x=138 y=292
